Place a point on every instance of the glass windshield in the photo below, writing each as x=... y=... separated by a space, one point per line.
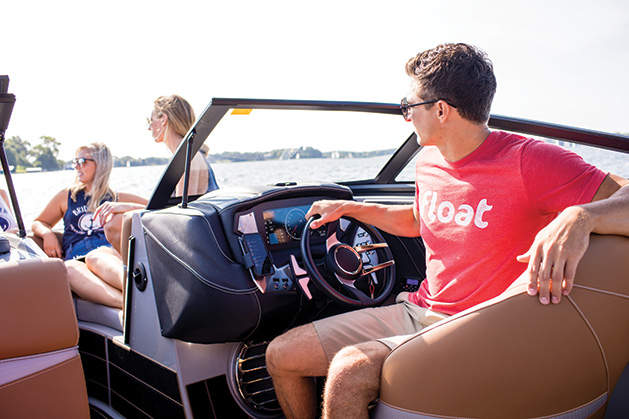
x=262 y=146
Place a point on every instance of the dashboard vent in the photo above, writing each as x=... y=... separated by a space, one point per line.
x=254 y=382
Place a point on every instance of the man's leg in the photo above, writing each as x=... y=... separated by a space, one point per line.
x=293 y=359
x=304 y=352
x=354 y=380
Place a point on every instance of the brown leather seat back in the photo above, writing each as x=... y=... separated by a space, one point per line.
x=514 y=357
x=40 y=369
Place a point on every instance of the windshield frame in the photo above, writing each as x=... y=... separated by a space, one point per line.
x=219 y=107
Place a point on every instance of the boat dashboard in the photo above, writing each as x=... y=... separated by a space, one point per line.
x=254 y=256
x=270 y=236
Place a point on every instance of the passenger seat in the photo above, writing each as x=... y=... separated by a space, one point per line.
x=40 y=369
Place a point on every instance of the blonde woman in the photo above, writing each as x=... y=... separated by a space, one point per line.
x=170 y=120
x=95 y=269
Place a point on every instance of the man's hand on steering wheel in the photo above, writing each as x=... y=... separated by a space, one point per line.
x=328 y=211
x=343 y=266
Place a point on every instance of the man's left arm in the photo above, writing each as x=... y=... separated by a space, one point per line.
x=555 y=254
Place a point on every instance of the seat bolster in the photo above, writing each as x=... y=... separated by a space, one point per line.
x=16 y=369
x=55 y=391
x=36 y=308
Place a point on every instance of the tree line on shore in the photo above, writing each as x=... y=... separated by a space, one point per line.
x=293 y=153
x=22 y=156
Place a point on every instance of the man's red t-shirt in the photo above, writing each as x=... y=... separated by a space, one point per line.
x=479 y=213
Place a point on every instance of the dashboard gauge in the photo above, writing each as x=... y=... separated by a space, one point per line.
x=295 y=222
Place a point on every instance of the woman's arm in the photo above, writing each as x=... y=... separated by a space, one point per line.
x=109 y=215
x=126 y=202
x=47 y=219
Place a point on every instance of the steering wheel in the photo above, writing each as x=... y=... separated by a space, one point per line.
x=344 y=264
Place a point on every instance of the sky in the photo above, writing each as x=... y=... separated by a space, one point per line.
x=86 y=71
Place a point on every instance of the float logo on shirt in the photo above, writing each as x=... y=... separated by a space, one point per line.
x=431 y=209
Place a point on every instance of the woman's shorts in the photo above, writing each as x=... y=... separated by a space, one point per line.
x=82 y=247
x=390 y=325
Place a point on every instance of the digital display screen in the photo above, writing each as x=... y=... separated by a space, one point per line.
x=285 y=225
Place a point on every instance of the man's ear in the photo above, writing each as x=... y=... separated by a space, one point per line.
x=443 y=110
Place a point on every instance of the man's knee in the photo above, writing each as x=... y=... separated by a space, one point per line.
x=347 y=360
x=298 y=351
x=280 y=353
x=274 y=353
x=371 y=352
x=361 y=363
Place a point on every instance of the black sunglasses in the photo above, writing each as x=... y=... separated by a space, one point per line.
x=404 y=106
x=80 y=161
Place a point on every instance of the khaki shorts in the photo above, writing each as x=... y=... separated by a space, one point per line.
x=390 y=325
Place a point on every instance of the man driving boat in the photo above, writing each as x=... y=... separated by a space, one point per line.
x=489 y=206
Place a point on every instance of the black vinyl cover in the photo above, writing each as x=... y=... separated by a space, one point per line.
x=203 y=291
x=202 y=295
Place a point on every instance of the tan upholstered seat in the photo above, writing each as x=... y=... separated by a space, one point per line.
x=40 y=369
x=513 y=357
x=92 y=312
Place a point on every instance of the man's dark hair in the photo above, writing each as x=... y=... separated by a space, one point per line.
x=461 y=74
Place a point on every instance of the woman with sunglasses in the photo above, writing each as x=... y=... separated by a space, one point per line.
x=170 y=120
x=95 y=270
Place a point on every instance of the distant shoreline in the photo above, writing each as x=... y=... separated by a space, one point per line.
x=227 y=157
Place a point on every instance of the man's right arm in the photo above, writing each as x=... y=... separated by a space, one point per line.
x=399 y=220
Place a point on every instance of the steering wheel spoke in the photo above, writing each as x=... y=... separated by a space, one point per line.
x=347 y=264
x=331 y=241
x=378 y=267
x=368 y=247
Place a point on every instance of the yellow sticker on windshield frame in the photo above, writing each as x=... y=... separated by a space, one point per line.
x=241 y=111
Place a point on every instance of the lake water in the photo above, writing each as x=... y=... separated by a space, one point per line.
x=34 y=190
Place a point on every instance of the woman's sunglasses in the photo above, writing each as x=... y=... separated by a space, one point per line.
x=80 y=161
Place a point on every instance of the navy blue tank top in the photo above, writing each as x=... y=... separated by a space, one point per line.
x=211 y=180
x=79 y=223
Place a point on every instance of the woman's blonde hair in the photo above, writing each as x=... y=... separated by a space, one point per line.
x=180 y=113
x=100 y=184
